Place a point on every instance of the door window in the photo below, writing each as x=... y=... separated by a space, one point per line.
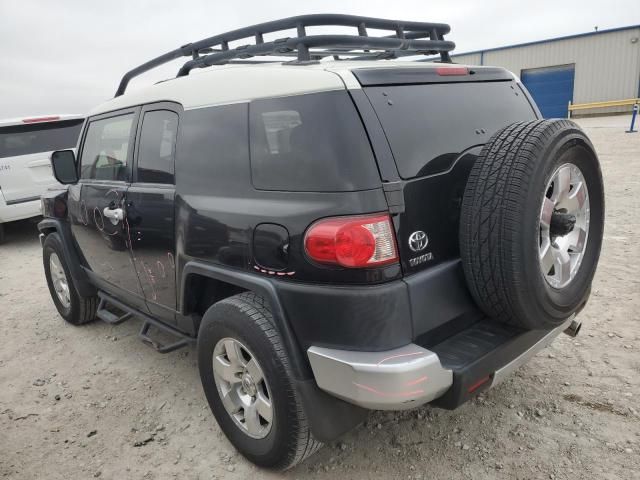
x=104 y=156
x=157 y=146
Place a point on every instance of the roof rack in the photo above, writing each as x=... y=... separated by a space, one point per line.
x=408 y=38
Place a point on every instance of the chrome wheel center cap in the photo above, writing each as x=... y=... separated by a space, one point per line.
x=248 y=385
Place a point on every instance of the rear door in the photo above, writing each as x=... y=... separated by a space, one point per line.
x=150 y=207
x=97 y=203
x=435 y=126
x=25 y=168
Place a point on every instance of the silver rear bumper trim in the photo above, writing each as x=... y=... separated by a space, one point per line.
x=398 y=379
x=513 y=365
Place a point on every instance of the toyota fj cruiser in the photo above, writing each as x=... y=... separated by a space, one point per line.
x=338 y=230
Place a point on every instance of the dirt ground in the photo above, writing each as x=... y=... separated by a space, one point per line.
x=94 y=402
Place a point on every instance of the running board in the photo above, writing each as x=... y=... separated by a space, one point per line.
x=113 y=319
x=109 y=317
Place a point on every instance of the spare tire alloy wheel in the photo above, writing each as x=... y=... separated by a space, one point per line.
x=242 y=387
x=564 y=225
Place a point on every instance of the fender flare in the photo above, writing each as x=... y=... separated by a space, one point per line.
x=329 y=417
x=80 y=277
x=261 y=286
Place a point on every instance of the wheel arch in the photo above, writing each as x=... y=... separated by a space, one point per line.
x=247 y=282
x=328 y=416
x=47 y=226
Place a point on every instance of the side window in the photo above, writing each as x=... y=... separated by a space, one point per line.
x=314 y=142
x=104 y=155
x=157 y=147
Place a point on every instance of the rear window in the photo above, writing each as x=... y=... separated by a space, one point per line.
x=40 y=137
x=313 y=142
x=429 y=125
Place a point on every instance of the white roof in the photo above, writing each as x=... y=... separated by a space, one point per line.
x=219 y=85
x=37 y=119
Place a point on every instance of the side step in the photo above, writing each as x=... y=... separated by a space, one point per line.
x=107 y=316
x=113 y=319
x=484 y=354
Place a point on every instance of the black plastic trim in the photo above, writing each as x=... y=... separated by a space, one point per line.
x=329 y=417
x=476 y=353
x=80 y=278
x=299 y=364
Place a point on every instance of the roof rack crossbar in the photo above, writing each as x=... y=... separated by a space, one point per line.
x=408 y=38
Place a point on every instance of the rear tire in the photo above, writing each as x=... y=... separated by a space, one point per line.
x=73 y=307
x=245 y=319
x=504 y=229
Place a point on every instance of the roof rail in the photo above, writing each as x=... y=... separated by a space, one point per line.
x=408 y=38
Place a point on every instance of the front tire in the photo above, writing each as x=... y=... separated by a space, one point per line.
x=72 y=306
x=251 y=391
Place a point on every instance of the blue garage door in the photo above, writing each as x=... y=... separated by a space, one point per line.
x=551 y=88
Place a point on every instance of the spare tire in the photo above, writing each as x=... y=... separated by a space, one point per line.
x=531 y=223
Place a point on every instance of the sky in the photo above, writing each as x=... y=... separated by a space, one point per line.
x=67 y=56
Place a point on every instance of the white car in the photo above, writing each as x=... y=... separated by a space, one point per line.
x=25 y=167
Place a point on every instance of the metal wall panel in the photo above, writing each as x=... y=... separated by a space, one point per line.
x=607 y=64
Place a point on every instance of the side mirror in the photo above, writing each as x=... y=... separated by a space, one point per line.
x=64 y=166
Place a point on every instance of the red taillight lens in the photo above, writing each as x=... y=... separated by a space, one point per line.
x=362 y=241
x=444 y=71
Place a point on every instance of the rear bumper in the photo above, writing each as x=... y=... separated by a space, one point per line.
x=410 y=376
x=393 y=380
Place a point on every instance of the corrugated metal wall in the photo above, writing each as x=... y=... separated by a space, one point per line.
x=607 y=64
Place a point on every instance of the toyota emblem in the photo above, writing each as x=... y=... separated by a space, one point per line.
x=418 y=241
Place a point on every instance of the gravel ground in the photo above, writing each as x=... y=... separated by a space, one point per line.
x=78 y=403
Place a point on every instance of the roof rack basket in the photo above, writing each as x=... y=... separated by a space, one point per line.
x=408 y=38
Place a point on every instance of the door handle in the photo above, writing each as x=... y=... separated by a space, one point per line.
x=114 y=214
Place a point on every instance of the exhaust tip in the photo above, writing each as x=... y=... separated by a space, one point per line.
x=573 y=329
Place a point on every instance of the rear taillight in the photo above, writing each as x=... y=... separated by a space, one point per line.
x=354 y=242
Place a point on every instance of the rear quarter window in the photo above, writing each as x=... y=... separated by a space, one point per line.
x=314 y=142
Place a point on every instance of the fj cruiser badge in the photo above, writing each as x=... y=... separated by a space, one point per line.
x=418 y=241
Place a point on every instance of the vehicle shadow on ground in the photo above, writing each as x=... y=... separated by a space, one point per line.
x=21 y=231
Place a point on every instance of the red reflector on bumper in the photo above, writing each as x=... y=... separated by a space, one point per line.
x=479 y=383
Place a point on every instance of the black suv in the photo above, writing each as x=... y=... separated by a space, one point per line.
x=336 y=234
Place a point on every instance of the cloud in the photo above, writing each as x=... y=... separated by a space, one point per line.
x=69 y=55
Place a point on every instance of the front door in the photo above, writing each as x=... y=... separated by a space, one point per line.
x=97 y=203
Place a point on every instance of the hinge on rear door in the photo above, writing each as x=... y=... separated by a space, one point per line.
x=394 y=195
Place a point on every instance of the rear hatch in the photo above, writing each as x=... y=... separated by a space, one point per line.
x=25 y=148
x=436 y=120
